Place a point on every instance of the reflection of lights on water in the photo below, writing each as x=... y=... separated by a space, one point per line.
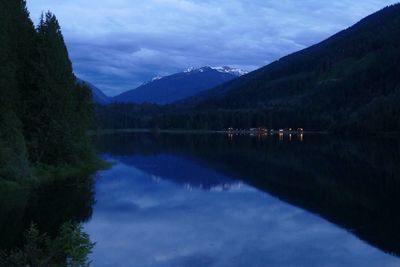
x=264 y=134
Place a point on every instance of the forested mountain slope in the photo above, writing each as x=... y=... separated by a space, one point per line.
x=351 y=80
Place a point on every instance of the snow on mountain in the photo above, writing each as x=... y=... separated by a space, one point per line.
x=223 y=69
x=190 y=69
x=157 y=78
x=234 y=71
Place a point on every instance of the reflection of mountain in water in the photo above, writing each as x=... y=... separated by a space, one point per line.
x=179 y=170
x=352 y=183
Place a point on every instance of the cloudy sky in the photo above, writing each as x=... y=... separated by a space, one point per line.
x=119 y=44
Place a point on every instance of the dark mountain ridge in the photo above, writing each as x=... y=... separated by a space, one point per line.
x=97 y=95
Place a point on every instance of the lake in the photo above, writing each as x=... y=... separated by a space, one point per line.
x=218 y=200
x=227 y=200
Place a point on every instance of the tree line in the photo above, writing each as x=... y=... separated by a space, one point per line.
x=44 y=113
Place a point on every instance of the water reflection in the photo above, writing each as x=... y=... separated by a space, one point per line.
x=48 y=205
x=185 y=171
x=353 y=183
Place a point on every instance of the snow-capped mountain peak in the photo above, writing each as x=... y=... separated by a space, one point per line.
x=190 y=69
x=158 y=77
x=168 y=89
x=222 y=69
x=234 y=71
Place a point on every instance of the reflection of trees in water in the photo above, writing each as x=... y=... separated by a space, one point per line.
x=70 y=247
x=352 y=183
x=48 y=205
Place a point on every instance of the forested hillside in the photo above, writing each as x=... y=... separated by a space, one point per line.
x=348 y=83
x=351 y=79
x=44 y=114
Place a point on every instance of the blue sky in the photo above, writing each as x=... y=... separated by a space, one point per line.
x=119 y=44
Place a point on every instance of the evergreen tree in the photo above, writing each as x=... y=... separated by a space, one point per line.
x=59 y=127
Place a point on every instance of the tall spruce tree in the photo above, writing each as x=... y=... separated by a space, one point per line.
x=61 y=114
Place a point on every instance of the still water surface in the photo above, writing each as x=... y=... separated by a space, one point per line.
x=216 y=200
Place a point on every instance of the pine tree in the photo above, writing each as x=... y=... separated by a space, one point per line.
x=61 y=116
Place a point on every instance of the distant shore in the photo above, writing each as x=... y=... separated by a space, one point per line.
x=182 y=131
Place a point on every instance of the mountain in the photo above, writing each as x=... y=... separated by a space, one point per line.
x=98 y=96
x=350 y=80
x=168 y=89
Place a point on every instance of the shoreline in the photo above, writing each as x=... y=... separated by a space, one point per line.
x=240 y=132
x=182 y=131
